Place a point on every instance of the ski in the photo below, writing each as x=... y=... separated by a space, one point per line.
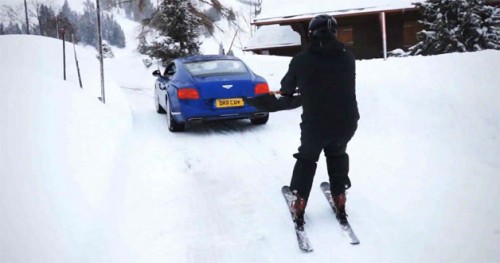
x=346 y=228
x=302 y=238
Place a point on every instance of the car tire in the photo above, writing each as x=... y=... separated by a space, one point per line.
x=173 y=125
x=158 y=107
x=260 y=120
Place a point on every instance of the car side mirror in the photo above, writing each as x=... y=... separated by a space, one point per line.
x=156 y=73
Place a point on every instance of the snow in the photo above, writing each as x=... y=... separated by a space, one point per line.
x=82 y=181
x=274 y=36
x=58 y=144
x=276 y=8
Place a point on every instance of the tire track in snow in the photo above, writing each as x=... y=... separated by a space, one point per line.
x=185 y=181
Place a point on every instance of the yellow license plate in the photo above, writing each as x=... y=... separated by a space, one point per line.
x=227 y=103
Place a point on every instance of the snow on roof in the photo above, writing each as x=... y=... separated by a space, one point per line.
x=273 y=36
x=274 y=10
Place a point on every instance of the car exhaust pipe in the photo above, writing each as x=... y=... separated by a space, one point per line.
x=195 y=120
x=260 y=114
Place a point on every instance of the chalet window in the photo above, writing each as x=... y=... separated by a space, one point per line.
x=345 y=35
x=410 y=30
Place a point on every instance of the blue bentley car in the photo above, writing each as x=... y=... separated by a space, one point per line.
x=207 y=87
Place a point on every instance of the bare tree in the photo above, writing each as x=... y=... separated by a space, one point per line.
x=10 y=13
x=256 y=4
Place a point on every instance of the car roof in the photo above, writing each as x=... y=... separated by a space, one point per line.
x=197 y=58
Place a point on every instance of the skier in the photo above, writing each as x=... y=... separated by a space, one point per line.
x=324 y=75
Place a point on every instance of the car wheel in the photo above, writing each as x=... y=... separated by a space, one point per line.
x=158 y=107
x=260 y=120
x=172 y=124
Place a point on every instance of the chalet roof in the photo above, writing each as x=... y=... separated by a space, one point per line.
x=306 y=10
x=273 y=36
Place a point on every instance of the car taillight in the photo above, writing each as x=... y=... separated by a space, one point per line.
x=188 y=94
x=261 y=88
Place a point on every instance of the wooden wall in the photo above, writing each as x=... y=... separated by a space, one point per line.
x=363 y=34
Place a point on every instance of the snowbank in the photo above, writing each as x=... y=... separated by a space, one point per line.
x=58 y=144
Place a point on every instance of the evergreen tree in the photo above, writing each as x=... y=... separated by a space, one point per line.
x=118 y=36
x=13 y=28
x=67 y=12
x=457 y=26
x=69 y=20
x=87 y=25
x=2 y=31
x=66 y=25
x=112 y=32
x=47 y=21
x=173 y=32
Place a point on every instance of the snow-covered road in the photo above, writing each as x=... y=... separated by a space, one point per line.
x=195 y=196
x=207 y=208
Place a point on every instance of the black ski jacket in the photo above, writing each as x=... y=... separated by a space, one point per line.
x=325 y=77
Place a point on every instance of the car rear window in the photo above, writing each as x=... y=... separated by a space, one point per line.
x=216 y=67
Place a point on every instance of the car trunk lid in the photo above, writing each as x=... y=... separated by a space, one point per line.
x=221 y=87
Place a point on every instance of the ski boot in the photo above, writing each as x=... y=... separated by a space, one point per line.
x=339 y=202
x=298 y=210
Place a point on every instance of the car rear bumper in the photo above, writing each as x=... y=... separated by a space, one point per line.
x=226 y=117
x=199 y=111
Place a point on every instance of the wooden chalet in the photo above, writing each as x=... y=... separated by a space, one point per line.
x=369 y=32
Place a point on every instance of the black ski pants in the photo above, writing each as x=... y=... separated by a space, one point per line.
x=337 y=162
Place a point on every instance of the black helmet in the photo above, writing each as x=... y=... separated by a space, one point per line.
x=323 y=23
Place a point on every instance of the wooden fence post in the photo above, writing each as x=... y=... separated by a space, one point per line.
x=76 y=61
x=64 y=52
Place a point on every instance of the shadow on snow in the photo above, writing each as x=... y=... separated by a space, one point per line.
x=222 y=127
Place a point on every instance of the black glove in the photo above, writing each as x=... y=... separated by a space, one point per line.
x=290 y=102
x=269 y=102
